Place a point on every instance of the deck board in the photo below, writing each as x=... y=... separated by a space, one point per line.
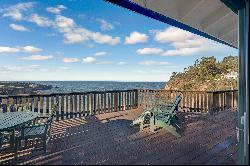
x=108 y=139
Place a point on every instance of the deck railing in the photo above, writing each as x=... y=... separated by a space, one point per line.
x=192 y=101
x=79 y=104
x=76 y=104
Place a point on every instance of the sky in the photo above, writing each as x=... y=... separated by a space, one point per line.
x=93 y=40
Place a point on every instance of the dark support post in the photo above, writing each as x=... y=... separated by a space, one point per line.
x=243 y=112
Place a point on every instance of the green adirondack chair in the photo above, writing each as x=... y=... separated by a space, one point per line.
x=40 y=128
x=159 y=107
x=166 y=119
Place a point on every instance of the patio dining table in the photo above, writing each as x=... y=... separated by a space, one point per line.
x=9 y=121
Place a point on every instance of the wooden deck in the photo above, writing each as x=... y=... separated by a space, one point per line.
x=108 y=139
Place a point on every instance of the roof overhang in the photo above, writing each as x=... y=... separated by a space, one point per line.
x=214 y=19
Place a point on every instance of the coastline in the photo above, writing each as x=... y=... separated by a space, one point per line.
x=48 y=87
x=14 y=88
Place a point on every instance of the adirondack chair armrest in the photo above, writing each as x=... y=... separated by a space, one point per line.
x=169 y=113
x=36 y=125
x=35 y=121
x=43 y=117
x=168 y=102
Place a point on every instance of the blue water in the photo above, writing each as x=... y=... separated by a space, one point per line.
x=84 y=86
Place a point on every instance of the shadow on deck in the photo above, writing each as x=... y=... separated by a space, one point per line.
x=108 y=139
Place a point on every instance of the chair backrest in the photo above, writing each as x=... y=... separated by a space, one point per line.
x=162 y=103
x=177 y=100
x=1 y=138
x=174 y=108
x=51 y=117
x=53 y=112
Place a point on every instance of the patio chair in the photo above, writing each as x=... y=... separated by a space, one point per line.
x=167 y=120
x=38 y=129
x=5 y=136
x=159 y=107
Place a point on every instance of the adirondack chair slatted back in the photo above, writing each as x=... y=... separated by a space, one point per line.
x=1 y=138
x=162 y=104
x=174 y=109
x=51 y=117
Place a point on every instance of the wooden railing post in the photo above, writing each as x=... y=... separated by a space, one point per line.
x=62 y=107
x=71 y=106
x=136 y=98
x=41 y=105
x=47 y=104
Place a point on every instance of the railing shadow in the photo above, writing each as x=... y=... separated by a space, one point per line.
x=109 y=139
x=81 y=140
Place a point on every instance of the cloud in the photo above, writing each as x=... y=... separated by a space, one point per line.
x=151 y=50
x=183 y=42
x=28 y=49
x=40 y=21
x=104 y=62
x=93 y=60
x=72 y=33
x=15 y=11
x=136 y=37
x=89 y=60
x=18 y=27
x=100 y=53
x=63 y=68
x=18 y=68
x=56 y=10
x=37 y=57
x=55 y=69
x=121 y=63
x=70 y=60
x=183 y=51
x=172 y=34
x=5 y=50
x=105 y=26
x=31 y=49
x=75 y=34
x=149 y=63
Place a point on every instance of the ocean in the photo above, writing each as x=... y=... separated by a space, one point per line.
x=84 y=86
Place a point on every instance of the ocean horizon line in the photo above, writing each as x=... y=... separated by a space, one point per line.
x=77 y=81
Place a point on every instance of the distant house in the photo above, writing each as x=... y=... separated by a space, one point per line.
x=233 y=75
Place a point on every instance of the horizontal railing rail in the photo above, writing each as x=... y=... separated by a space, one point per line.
x=77 y=104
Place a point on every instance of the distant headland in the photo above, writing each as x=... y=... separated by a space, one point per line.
x=17 y=88
x=207 y=74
